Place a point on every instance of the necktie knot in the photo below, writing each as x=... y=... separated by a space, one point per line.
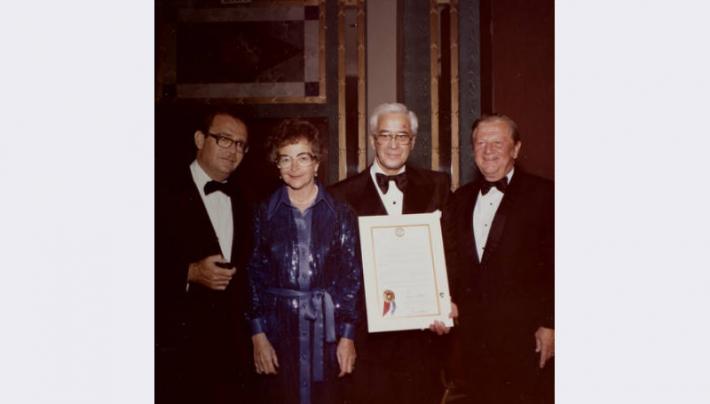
x=383 y=181
x=213 y=186
x=501 y=184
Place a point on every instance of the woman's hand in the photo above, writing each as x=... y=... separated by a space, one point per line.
x=346 y=356
x=265 y=359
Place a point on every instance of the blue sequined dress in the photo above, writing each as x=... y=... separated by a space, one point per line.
x=304 y=277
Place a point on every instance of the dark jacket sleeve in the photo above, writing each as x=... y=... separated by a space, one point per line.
x=448 y=220
x=349 y=279
x=171 y=265
x=443 y=189
x=546 y=260
x=257 y=273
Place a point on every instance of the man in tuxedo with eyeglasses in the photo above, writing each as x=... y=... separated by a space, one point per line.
x=203 y=240
x=499 y=242
x=401 y=366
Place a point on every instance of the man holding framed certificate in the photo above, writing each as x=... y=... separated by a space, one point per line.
x=397 y=366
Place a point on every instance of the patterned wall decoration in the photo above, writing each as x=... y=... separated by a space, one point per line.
x=265 y=53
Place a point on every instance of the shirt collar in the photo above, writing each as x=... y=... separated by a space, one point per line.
x=375 y=168
x=199 y=176
x=509 y=176
x=280 y=198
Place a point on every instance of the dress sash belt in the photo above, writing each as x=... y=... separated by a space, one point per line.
x=320 y=309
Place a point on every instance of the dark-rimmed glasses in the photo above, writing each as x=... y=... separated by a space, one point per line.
x=227 y=142
x=400 y=138
x=302 y=159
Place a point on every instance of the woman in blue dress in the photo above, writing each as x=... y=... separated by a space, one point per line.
x=304 y=277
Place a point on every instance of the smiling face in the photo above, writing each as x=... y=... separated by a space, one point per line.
x=298 y=175
x=494 y=149
x=219 y=162
x=391 y=156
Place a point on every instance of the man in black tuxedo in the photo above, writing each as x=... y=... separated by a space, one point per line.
x=499 y=241
x=203 y=240
x=402 y=366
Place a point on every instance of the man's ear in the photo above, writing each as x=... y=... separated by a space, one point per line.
x=414 y=140
x=516 y=151
x=199 y=139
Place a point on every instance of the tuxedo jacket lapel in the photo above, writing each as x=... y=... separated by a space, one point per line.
x=466 y=223
x=370 y=203
x=494 y=235
x=418 y=194
x=506 y=206
x=204 y=238
x=238 y=223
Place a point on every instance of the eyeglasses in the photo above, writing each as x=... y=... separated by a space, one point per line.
x=227 y=142
x=302 y=160
x=400 y=138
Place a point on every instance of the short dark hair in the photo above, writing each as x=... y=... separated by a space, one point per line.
x=208 y=118
x=291 y=131
x=497 y=117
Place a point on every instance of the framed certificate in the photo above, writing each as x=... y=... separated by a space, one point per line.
x=406 y=286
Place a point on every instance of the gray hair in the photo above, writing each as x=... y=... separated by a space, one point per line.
x=393 y=107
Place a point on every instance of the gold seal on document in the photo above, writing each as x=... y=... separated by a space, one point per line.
x=389 y=305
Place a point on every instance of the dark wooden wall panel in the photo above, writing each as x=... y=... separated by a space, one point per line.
x=415 y=75
x=519 y=53
x=469 y=81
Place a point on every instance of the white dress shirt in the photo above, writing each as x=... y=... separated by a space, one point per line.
x=219 y=209
x=483 y=213
x=394 y=198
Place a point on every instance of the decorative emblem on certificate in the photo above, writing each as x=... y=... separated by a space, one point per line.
x=390 y=306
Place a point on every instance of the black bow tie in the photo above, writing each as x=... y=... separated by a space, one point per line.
x=486 y=186
x=383 y=181
x=213 y=186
